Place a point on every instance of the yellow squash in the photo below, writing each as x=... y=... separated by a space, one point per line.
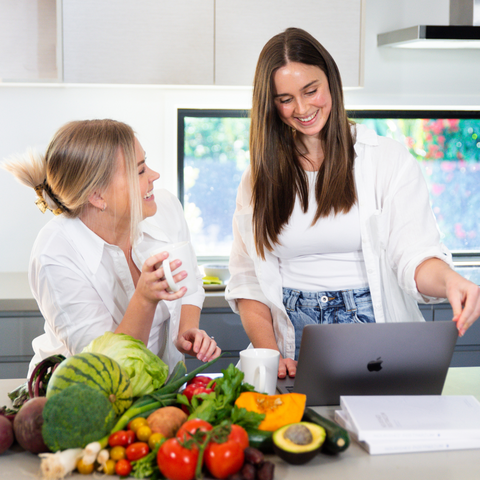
x=279 y=410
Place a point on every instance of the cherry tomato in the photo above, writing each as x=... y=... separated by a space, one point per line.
x=118 y=438
x=117 y=453
x=155 y=439
x=123 y=468
x=143 y=433
x=200 y=379
x=131 y=437
x=191 y=426
x=177 y=462
x=223 y=459
x=109 y=468
x=239 y=435
x=83 y=468
x=136 y=423
x=137 y=450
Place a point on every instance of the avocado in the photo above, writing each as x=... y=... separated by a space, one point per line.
x=298 y=443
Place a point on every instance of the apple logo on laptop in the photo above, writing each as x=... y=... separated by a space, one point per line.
x=375 y=365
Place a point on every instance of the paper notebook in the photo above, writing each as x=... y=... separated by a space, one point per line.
x=395 y=424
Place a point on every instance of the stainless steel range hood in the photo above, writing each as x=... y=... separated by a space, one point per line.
x=463 y=31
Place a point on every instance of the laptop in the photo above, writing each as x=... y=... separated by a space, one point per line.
x=409 y=358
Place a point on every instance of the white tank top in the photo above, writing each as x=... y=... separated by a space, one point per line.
x=324 y=257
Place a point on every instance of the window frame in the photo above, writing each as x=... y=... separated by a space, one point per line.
x=460 y=259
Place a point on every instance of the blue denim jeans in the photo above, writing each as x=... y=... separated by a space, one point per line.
x=345 y=306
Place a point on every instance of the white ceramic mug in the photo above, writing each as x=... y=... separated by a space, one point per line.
x=179 y=251
x=260 y=366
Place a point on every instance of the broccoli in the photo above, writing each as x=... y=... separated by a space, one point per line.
x=76 y=416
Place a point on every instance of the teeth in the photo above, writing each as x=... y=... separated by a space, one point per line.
x=148 y=195
x=311 y=117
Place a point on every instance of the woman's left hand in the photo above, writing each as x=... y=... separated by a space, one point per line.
x=199 y=344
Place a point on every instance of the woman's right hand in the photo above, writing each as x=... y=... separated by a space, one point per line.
x=287 y=366
x=152 y=284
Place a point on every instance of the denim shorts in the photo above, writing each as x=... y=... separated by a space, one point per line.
x=344 y=306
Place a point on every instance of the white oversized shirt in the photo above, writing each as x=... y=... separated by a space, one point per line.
x=83 y=285
x=398 y=231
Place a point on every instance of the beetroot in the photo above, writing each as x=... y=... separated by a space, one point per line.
x=27 y=425
x=6 y=434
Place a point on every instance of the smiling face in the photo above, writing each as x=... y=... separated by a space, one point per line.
x=117 y=195
x=302 y=97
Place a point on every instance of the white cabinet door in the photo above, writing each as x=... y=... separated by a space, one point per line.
x=138 y=41
x=244 y=26
x=28 y=40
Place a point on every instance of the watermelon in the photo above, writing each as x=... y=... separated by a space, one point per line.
x=95 y=370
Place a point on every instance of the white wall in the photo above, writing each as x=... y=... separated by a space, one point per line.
x=30 y=114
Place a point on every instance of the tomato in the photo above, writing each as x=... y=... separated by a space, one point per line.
x=118 y=438
x=123 y=468
x=191 y=426
x=117 y=453
x=155 y=439
x=143 y=433
x=239 y=435
x=109 y=468
x=84 y=469
x=188 y=391
x=136 y=423
x=177 y=462
x=131 y=437
x=223 y=459
x=200 y=380
x=137 y=450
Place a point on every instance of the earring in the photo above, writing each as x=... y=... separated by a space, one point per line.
x=104 y=207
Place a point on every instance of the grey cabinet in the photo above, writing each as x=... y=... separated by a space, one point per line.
x=228 y=331
x=467 y=349
x=17 y=330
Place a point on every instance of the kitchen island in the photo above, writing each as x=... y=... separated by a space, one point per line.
x=353 y=464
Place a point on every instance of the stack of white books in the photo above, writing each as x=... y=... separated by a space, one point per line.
x=411 y=423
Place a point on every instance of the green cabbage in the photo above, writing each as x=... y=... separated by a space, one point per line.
x=147 y=372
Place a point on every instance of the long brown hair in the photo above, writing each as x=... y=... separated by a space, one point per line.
x=277 y=174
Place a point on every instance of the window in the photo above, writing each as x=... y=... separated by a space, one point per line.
x=213 y=152
x=212 y=156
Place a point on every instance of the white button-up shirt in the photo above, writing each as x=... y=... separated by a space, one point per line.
x=398 y=232
x=83 y=285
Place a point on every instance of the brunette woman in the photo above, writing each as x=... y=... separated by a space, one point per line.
x=333 y=223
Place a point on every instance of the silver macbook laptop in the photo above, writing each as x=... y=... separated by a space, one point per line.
x=372 y=359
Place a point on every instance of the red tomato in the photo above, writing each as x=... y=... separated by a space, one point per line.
x=119 y=438
x=137 y=450
x=123 y=468
x=188 y=391
x=177 y=462
x=131 y=437
x=201 y=389
x=239 y=435
x=191 y=426
x=201 y=380
x=223 y=459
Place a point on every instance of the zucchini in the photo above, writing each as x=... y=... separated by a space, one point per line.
x=337 y=439
x=260 y=439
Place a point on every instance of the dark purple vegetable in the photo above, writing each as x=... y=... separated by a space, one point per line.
x=27 y=426
x=266 y=471
x=37 y=384
x=6 y=434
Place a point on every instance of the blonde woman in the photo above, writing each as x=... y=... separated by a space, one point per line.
x=90 y=269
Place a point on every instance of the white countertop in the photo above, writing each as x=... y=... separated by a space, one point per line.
x=353 y=464
x=15 y=294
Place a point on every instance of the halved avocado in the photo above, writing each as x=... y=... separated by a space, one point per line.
x=298 y=443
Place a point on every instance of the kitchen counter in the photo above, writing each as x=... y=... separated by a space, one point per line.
x=353 y=464
x=15 y=294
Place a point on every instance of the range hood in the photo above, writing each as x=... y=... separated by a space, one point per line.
x=462 y=32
